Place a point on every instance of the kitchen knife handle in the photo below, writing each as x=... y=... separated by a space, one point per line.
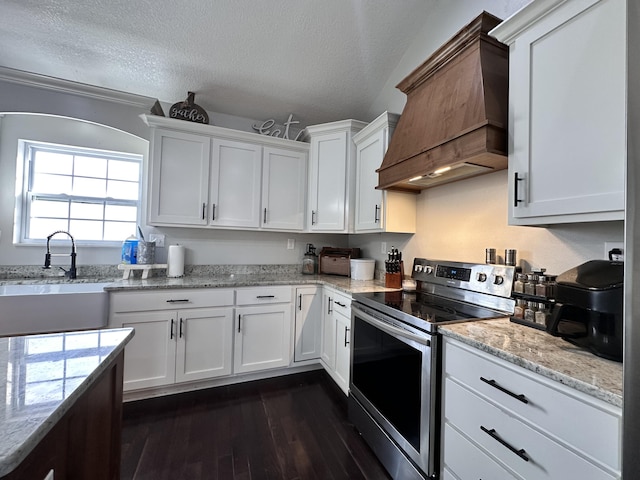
x=494 y=384
x=204 y=206
x=516 y=179
x=376 y=216
x=213 y=212
x=492 y=433
x=346 y=331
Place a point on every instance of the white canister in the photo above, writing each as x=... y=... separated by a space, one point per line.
x=362 y=268
x=175 y=261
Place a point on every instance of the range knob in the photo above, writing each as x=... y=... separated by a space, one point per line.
x=427 y=269
x=418 y=268
x=481 y=277
x=498 y=280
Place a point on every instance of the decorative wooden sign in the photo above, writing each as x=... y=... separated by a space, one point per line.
x=267 y=125
x=188 y=110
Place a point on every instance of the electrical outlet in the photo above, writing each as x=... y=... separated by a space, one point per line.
x=158 y=238
x=384 y=247
x=291 y=243
x=608 y=246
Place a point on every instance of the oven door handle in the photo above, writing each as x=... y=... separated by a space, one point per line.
x=392 y=330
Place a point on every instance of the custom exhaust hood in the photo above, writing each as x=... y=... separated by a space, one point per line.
x=454 y=123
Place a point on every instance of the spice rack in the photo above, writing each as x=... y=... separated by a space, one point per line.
x=534 y=295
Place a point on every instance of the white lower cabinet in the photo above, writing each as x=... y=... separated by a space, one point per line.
x=336 y=336
x=263 y=329
x=172 y=344
x=502 y=421
x=308 y=320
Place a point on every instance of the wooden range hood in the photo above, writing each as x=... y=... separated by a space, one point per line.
x=455 y=115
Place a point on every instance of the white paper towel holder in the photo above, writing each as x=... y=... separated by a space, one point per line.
x=175 y=261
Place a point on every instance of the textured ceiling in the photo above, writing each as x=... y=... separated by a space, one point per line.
x=322 y=60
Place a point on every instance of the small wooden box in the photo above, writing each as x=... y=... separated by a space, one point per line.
x=337 y=261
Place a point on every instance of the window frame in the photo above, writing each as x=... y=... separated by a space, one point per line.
x=24 y=197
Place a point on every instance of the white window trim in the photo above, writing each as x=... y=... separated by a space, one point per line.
x=22 y=195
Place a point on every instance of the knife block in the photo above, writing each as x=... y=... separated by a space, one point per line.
x=394 y=280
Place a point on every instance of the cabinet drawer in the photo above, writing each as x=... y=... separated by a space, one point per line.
x=262 y=295
x=341 y=303
x=464 y=460
x=140 y=300
x=539 y=457
x=559 y=411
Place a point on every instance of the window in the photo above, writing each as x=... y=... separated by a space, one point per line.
x=93 y=194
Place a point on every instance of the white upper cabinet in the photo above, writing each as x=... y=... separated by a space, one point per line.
x=332 y=176
x=284 y=188
x=379 y=210
x=179 y=185
x=567 y=113
x=207 y=176
x=236 y=170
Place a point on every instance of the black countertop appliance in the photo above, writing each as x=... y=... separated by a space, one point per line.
x=588 y=310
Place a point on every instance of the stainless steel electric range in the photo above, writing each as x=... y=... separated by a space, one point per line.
x=394 y=397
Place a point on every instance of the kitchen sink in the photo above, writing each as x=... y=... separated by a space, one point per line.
x=45 y=308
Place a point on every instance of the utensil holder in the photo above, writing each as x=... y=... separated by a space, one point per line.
x=394 y=280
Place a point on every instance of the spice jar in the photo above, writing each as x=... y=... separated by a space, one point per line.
x=518 y=284
x=530 y=286
x=518 y=310
x=530 y=312
x=541 y=314
x=541 y=286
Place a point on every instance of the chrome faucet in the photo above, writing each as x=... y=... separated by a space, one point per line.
x=71 y=273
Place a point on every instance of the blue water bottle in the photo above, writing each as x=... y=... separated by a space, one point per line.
x=130 y=251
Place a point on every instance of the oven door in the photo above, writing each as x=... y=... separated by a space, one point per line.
x=394 y=378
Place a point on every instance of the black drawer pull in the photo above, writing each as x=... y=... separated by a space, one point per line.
x=492 y=433
x=265 y=296
x=339 y=304
x=493 y=383
x=180 y=300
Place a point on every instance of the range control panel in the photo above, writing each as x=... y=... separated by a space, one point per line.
x=477 y=277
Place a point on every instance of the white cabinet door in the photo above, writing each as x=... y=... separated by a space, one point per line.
x=308 y=318
x=236 y=172
x=379 y=210
x=179 y=179
x=283 y=189
x=343 y=351
x=151 y=353
x=328 y=182
x=262 y=337
x=204 y=341
x=328 y=348
x=567 y=94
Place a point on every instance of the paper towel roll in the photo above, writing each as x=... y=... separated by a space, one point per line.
x=175 y=261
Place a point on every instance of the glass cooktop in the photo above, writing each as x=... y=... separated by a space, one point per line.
x=424 y=307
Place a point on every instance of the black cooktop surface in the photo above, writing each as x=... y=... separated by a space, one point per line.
x=425 y=307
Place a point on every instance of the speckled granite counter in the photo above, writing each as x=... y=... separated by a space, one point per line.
x=344 y=284
x=543 y=354
x=41 y=377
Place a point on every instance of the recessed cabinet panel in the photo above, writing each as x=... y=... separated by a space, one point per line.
x=236 y=169
x=308 y=318
x=180 y=159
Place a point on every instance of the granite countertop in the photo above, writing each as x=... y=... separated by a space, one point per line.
x=344 y=284
x=42 y=376
x=543 y=354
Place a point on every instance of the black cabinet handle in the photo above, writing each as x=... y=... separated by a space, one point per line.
x=171 y=330
x=300 y=302
x=494 y=384
x=204 y=206
x=492 y=433
x=340 y=304
x=213 y=211
x=376 y=217
x=179 y=300
x=181 y=322
x=313 y=217
x=264 y=217
x=346 y=331
x=265 y=296
x=239 y=319
x=329 y=309
x=516 y=179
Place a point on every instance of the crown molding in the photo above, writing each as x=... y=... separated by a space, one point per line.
x=75 y=88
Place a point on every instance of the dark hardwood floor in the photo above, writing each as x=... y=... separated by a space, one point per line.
x=292 y=427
